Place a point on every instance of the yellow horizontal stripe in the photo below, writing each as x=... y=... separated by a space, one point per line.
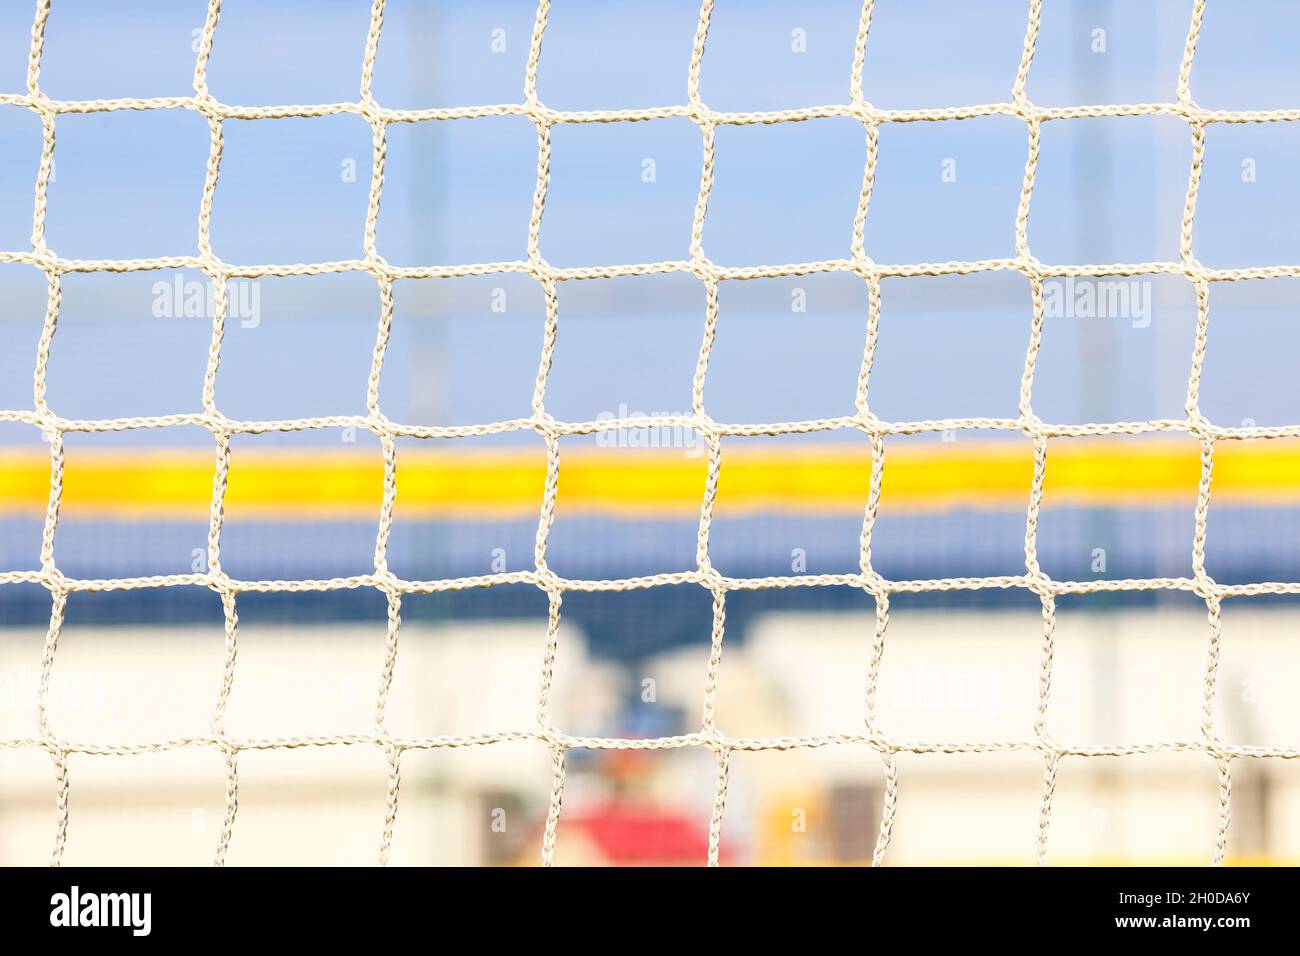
x=826 y=479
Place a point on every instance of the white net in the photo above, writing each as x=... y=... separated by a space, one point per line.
x=708 y=735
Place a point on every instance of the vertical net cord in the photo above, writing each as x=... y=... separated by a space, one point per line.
x=1199 y=426
x=873 y=583
x=546 y=579
x=52 y=432
x=704 y=426
x=709 y=736
x=1038 y=581
x=380 y=424
x=221 y=472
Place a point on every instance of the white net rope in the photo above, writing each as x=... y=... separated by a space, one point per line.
x=709 y=735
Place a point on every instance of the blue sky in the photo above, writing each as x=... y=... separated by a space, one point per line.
x=128 y=184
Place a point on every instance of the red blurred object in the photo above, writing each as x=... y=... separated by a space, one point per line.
x=633 y=834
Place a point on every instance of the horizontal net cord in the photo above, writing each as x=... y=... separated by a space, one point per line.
x=547 y=426
x=389 y=583
x=715 y=740
x=705 y=270
x=539 y=113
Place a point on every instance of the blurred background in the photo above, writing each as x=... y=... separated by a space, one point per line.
x=146 y=665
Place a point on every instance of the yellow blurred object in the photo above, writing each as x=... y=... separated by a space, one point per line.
x=830 y=479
